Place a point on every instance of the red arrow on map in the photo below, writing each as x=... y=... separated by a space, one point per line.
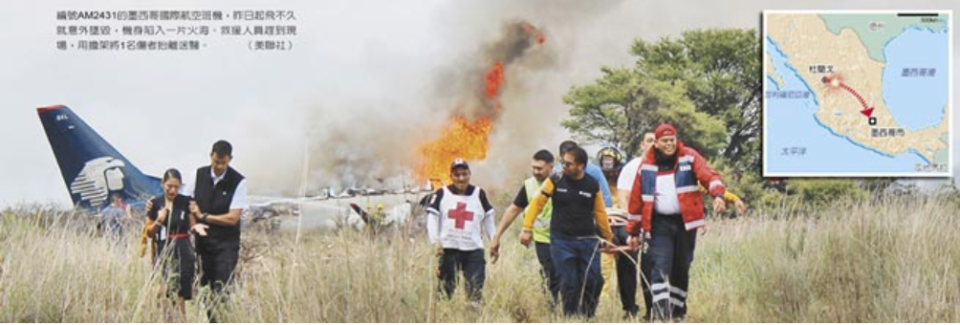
x=867 y=111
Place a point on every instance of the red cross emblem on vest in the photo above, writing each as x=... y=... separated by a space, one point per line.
x=460 y=214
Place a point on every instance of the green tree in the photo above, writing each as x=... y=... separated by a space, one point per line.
x=721 y=71
x=706 y=83
x=625 y=103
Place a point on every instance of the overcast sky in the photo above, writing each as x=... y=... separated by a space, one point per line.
x=356 y=59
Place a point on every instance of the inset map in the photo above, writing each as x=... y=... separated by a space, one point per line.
x=857 y=94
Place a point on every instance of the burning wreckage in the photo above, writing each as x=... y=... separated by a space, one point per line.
x=466 y=134
x=92 y=168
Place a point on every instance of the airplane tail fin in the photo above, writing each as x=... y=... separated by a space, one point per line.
x=92 y=169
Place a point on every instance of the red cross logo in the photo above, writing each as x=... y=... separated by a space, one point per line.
x=460 y=214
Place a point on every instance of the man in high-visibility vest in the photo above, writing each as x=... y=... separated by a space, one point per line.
x=541 y=167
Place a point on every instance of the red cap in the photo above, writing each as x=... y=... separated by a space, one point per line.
x=665 y=130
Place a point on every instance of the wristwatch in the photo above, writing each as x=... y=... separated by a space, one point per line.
x=203 y=218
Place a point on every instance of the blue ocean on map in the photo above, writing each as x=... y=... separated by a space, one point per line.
x=917 y=102
x=791 y=123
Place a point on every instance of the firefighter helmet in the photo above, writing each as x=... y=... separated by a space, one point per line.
x=610 y=159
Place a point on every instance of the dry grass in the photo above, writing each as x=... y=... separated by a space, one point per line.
x=891 y=261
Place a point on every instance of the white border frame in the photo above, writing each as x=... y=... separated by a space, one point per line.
x=950 y=91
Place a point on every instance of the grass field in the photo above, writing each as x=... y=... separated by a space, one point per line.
x=893 y=260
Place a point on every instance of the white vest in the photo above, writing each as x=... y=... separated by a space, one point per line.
x=460 y=220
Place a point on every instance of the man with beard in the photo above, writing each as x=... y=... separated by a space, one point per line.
x=541 y=168
x=578 y=216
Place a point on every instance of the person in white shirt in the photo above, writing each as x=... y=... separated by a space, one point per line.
x=629 y=171
x=220 y=196
x=667 y=207
x=455 y=218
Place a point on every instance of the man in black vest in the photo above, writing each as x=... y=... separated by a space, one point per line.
x=221 y=195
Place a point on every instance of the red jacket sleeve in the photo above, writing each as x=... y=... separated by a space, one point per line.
x=635 y=207
x=707 y=176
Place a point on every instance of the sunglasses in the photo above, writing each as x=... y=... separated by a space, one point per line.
x=568 y=163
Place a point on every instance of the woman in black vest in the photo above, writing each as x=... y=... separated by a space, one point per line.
x=172 y=221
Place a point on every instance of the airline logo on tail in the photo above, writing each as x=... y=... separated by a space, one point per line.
x=91 y=168
x=97 y=179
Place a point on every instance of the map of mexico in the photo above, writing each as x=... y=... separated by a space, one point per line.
x=848 y=70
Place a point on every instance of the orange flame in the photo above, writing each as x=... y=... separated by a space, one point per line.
x=464 y=139
x=494 y=80
x=467 y=140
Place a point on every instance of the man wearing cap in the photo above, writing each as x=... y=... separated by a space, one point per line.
x=624 y=187
x=666 y=206
x=455 y=218
x=578 y=217
x=629 y=172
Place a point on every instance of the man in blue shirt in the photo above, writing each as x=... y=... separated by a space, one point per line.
x=591 y=170
x=111 y=216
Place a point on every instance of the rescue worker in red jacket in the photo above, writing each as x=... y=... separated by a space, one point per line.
x=666 y=208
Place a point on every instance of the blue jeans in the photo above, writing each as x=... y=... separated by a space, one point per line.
x=577 y=263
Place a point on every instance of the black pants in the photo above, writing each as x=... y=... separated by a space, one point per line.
x=473 y=265
x=646 y=267
x=551 y=280
x=671 y=254
x=217 y=264
x=179 y=267
x=158 y=258
x=626 y=272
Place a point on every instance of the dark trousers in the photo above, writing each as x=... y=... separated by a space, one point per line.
x=473 y=265
x=158 y=258
x=626 y=272
x=671 y=253
x=646 y=267
x=179 y=264
x=551 y=280
x=217 y=263
x=577 y=262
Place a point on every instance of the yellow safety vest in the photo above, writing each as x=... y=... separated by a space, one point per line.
x=541 y=228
